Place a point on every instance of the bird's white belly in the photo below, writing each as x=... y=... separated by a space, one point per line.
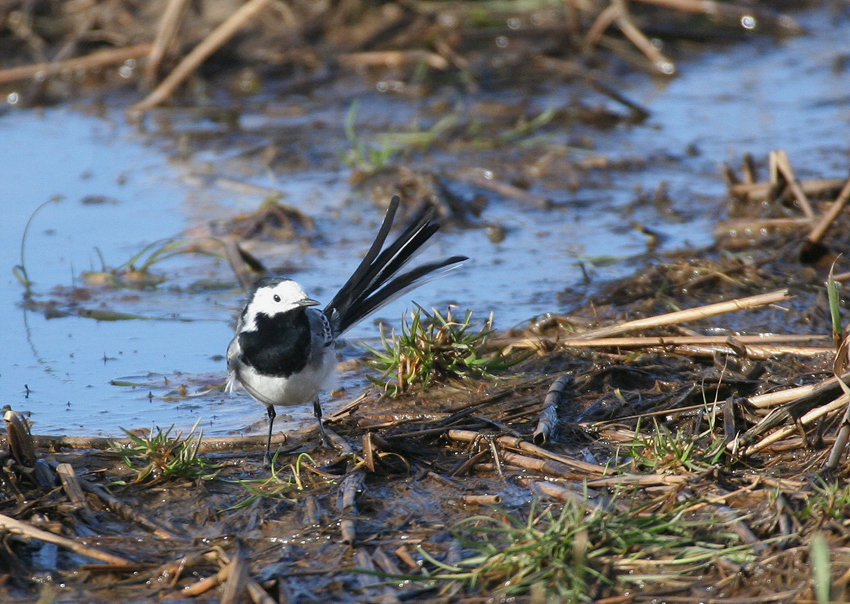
x=300 y=388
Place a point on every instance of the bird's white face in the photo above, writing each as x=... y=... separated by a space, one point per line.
x=274 y=299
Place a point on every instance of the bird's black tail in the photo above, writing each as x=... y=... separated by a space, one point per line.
x=372 y=285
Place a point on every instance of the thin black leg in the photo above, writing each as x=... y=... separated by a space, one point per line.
x=272 y=415
x=317 y=411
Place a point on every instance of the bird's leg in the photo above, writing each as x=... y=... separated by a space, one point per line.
x=317 y=411
x=272 y=415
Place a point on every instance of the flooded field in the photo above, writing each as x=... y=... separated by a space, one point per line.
x=659 y=414
x=123 y=188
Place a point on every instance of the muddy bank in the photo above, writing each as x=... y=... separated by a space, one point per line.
x=686 y=456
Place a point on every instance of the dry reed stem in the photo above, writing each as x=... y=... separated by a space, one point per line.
x=758 y=191
x=352 y=484
x=502 y=188
x=22 y=528
x=101 y=58
x=772 y=399
x=645 y=341
x=571 y=69
x=481 y=499
x=549 y=416
x=829 y=217
x=726 y=9
x=783 y=164
x=165 y=33
x=468 y=436
x=236 y=583
x=554 y=490
x=393 y=58
x=751 y=352
x=782 y=433
x=683 y=316
x=217 y=38
x=843 y=433
x=638 y=480
x=71 y=485
x=662 y=64
x=753 y=227
x=21 y=443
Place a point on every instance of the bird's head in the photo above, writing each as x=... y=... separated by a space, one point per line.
x=272 y=296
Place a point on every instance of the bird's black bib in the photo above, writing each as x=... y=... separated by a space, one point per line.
x=280 y=346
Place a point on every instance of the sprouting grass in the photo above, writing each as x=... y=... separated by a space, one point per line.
x=281 y=483
x=665 y=450
x=575 y=553
x=135 y=272
x=830 y=501
x=20 y=270
x=157 y=456
x=363 y=156
x=433 y=347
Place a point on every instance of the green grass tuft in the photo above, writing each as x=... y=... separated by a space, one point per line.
x=156 y=457
x=434 y=347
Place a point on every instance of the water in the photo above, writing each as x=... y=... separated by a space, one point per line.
x=751 y=98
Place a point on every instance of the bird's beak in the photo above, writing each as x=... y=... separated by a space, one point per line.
x=308 y=302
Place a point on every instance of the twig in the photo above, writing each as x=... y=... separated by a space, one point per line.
x=100 y=58
x=682 y=316
x=759 y=190
x=783 y=164
x=237 y=577
x=727 y=9
x=504 y=189
x=20 y=441
x=772 y=399
x=805 y=420
x=128 y=512
x=352 y=484
x=165 y=33
x=217 y=38
x=393 y=58
x=513 y=442
x=71 y=485
x=644 y=341
x=661 y=63
x=549 y=416
x=22 y=528
x=843 y=432
x=481 y=499
x=829 y=217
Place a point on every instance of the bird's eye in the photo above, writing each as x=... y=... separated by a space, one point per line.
x=276 y=298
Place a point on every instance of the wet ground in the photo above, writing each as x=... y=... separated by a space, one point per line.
x=651 y=488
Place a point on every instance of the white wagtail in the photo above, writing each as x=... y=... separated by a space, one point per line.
x=283 y=351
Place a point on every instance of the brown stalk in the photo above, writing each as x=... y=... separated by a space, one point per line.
x=393 y=58
x=71 y=485
x=504 y=189
x=753 y=227
x=772 y=399
x=481 y=499
x=782 y=433
x=829 y=217
x=352 y=484
x=165 y=33
x=128 y=512
x=217 y=38
x=468 y=436
x=662 y=64
x=549 y=416
x=101 y=58
x=756 y=191
x=783 y=164
x=682 y=316
x=22 y=528
x=643 y=341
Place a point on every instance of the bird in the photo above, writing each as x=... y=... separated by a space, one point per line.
x=283 y=352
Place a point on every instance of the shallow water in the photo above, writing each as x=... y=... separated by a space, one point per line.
x=750 y=98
